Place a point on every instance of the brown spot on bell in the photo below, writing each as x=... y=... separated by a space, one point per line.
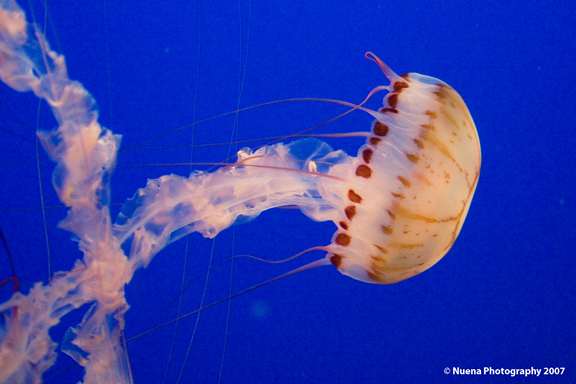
x=350 y=211
x=364 y=171
x=354 y=197
x=336 y=260
x=343 y=239
x=380 y=129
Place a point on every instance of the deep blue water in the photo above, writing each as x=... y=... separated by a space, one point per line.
x=503 y=297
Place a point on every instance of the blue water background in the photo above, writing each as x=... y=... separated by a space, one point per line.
x=503 y=297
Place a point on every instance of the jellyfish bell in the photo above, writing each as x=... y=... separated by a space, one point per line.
x=399 y=205
x=409 y=189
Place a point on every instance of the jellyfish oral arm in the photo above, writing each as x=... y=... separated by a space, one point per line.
x=173 y=206
x=85 y=155
x=168 y=208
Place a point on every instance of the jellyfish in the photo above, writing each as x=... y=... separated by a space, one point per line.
x=398 y=205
